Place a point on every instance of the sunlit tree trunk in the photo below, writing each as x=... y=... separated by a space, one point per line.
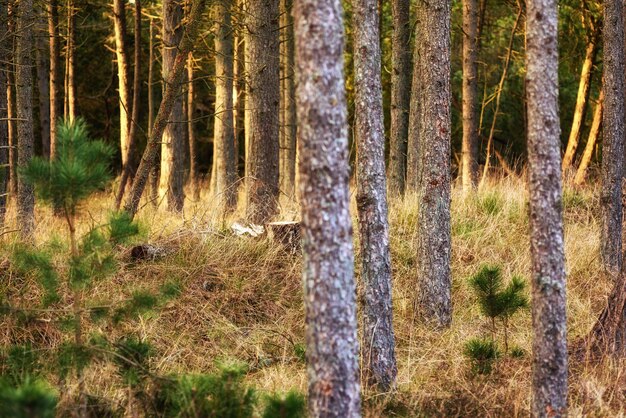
x=70 y=67
x=191 y=132
x=592 y=140
x=172 y=169
x=224 y=158
x=55 y=72
x=262 y=110
x=434 y=245
x=287 y=108
x=469 y=165
x=25 y=134
x=549 y=382
x=239 y=94
x=378 y=336
x=329 y=289
x=121 y=54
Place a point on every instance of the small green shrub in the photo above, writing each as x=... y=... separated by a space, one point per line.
x=482 y=353
x=292 y=405
x=32 y=398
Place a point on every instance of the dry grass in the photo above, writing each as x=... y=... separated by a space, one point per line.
x=242 y=302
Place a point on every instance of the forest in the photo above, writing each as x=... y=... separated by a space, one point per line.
x=312 y=208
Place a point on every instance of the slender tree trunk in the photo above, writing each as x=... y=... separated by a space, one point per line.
x=172 y=163
x=613 y=136
x=240 y=90
x=43 y=87
x=224 y=158
x=25 y=134
x=263 y=97
x=121 y=53
x=12 y=125
x=581 y=102
x=415 y=108
x=172 y=82
x=378 y=336
x=434 y=249
x=594 y=133
x=55 y=75
x=5 y=56
x=549 y=397
x=70 y=91
x=155 y=171
x=288 y=109
x=469 y=169
x=331 y=332
x=194 y=179
x=400 y=94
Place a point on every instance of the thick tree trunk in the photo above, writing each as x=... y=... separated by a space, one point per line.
x=331 y=329
x=469 y=165
x=55 y=72
x=287 y=108
x=613 y=136
x=378 y=337
x=5 y=49
x=549 y=392
x=121 y=54
x=172 y=82
x=434 y=249
x=172 y=167
x=25 y=134
x=43 y=87
x=594 y=133
x=400 y=94
x=224 y=158
x=262 y=110
x=581 y=103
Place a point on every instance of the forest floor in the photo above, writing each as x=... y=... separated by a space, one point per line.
x=242 y=302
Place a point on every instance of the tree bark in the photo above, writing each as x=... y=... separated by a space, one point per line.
x=224 y=157
x=121 y=53
x=70 y=70
x=43 y=87
x=172 y=81
x=240 y=91
x=549 y=391
x=378 y=336
x=55 y=75
x=288 y=109
x=469 y=165
x=400 y=94
x=191 y=132
x=331 y=332
x=434 y=249
x=154 y=172
x=25 y=134
x=12 y=125
x=594 y=133
x=581 y=102
x=172 y=167
x=613 y=137
x=263 y=97
x=413 y=141
x=5 y=56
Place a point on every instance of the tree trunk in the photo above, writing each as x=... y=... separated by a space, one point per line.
x=581 y=102
x=5 y=56
x=25 y=134
x=55 y=75
x=413 y=141
x=400 y=94
x=549 y=392
x=121 y=53
x=172 y=82
x=224 y=158
x=378 y=337
x=239 y=96
x=288 y=109
x=43 y=87
x=434 y=249
x=191 y=132
x=469 y=165
x=331 y=329
x=172 y=164
x=154 y=172
x=594 y=133
x=12 y=125
x=263 y=97
x=613 y=137
x=70 y=70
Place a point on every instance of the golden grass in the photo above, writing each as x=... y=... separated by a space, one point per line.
x=242 y=302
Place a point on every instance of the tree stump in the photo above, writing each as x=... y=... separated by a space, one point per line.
x=287 y=233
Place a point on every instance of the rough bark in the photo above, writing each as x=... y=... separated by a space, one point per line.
x=172 y=148
x=154 y=172
x=378 y=336
x=581 y=102
x=592 y=140
x=225 y=175
x=612 y=137
x=123 y=74
x=11 y=101
x=239 y=97
x=469 y=165
x=331 y=330
x=434 y=247
x=400 y=94
x=263 y=97
x=5 y=53
x=55 y=75
x=549 y=391
x=43 y=88
x=191 y=132
x=172 y=82
x=24 y=102
x=287 y=108
x=413 y=140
